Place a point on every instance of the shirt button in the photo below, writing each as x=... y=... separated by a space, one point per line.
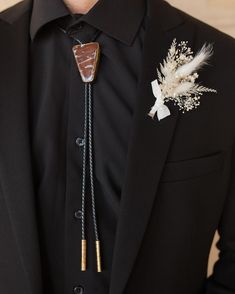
x=78 y=290
x=78 y=214
x=80 y=142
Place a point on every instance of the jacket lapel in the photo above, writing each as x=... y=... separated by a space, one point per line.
x=15 y=168
x=149 y=144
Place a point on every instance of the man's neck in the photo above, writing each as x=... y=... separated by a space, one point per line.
x=80 y=6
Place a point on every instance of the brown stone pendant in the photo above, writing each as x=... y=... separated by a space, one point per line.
x=87 y=59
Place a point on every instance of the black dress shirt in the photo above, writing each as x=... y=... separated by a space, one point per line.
x=57 y=118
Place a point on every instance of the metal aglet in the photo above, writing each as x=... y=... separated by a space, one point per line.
x=84 y=251
x=98 y=256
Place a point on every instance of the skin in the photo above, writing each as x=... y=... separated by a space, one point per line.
x=80 y=6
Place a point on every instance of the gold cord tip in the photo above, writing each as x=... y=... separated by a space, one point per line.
x=98 y=256
x=83 y=260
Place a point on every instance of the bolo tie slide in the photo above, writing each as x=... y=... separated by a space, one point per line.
x=87 y=58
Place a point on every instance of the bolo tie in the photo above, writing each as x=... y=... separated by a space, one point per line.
x=87 y=56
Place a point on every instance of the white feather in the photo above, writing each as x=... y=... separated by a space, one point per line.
x=183 y=88
x=198 y=61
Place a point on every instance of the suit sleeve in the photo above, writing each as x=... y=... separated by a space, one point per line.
x=222 y=281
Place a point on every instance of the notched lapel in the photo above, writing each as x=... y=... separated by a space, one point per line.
x=148 y=149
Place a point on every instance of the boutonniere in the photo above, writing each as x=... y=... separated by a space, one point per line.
x=177 y=79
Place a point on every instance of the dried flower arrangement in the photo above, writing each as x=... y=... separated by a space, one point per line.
x=176 y=79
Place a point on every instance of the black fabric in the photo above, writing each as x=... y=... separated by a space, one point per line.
x=179 y=182
x=57 y=121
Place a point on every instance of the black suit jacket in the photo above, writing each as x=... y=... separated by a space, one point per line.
x=180 y=183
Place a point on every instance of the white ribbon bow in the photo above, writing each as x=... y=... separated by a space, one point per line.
x=159 y=106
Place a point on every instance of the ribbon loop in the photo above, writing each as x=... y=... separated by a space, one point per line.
x=159 y=106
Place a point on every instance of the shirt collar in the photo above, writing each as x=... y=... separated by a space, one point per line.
x=119 y=19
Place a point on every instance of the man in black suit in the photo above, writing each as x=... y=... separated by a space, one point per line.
x=96 y=196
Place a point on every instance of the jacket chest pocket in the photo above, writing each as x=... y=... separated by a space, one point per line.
x=192 y=168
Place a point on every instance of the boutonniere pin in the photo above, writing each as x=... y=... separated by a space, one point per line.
x=177 y=79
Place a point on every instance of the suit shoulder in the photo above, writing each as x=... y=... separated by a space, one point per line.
x=207 y=33
x=15 y=12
